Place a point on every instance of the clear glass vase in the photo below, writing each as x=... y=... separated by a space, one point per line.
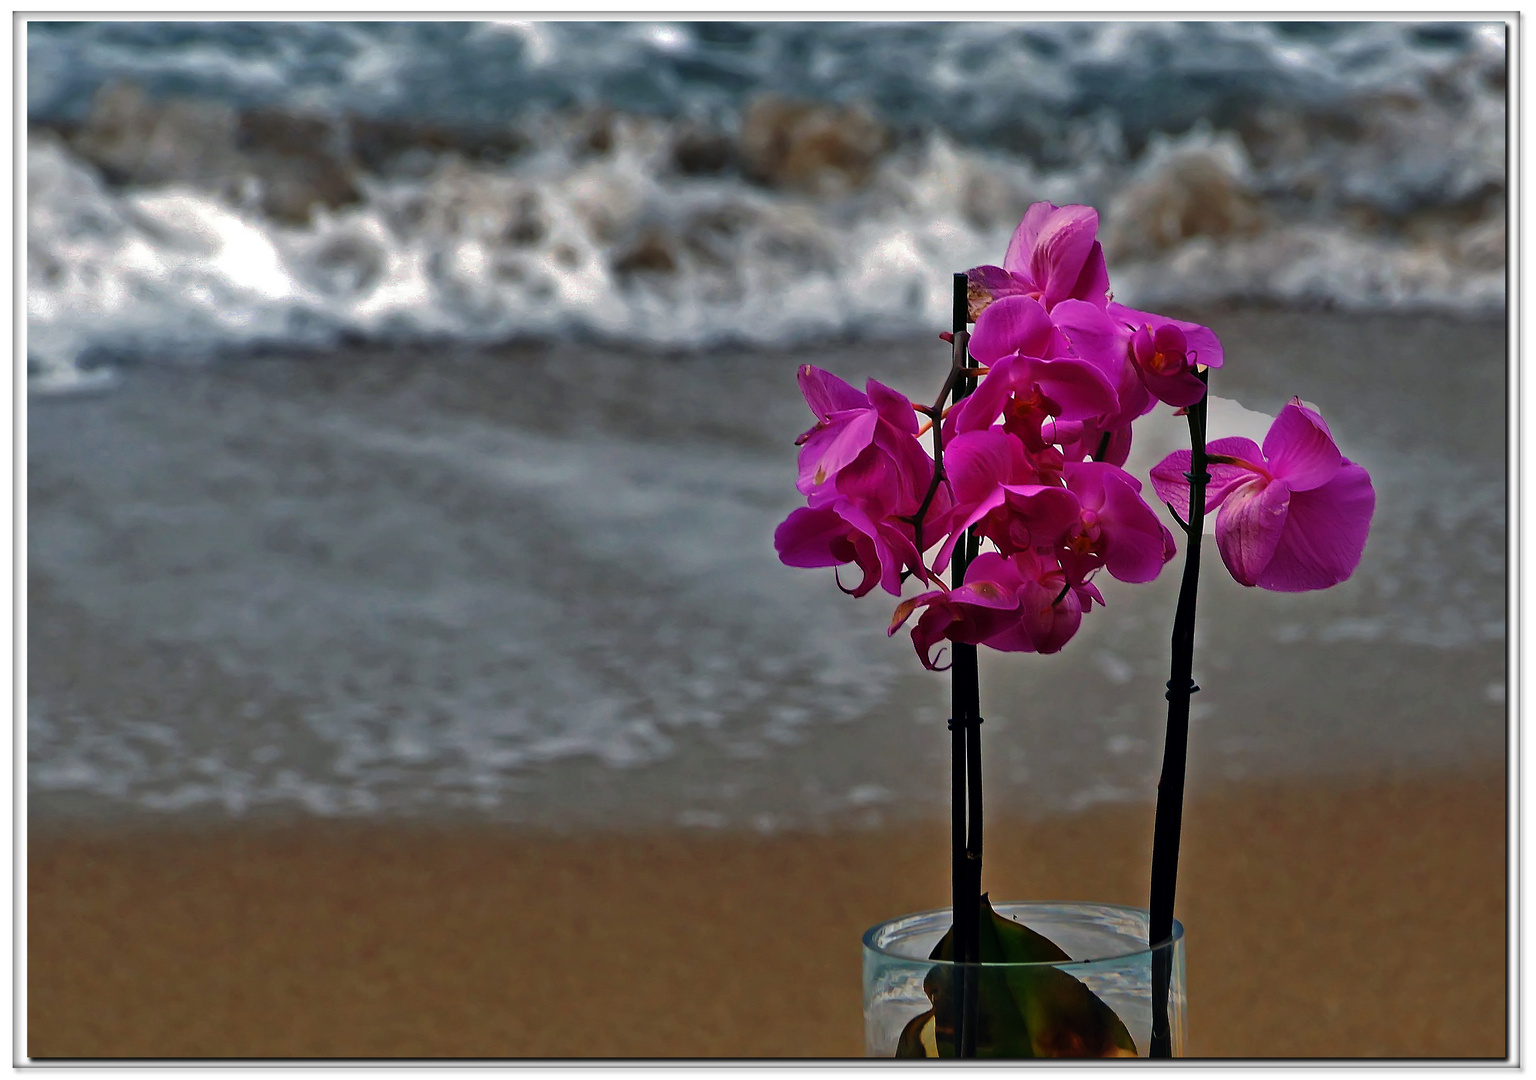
x=1109 y=957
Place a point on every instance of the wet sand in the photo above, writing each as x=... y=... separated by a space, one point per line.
x=1336 y=919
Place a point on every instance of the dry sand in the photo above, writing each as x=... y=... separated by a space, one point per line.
x=1324 y=920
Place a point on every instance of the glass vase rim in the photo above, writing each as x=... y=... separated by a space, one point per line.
x=1144 y=950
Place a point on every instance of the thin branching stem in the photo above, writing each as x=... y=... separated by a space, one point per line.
x=935 y=414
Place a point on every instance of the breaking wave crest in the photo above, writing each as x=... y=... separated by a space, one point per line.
x=166 y=224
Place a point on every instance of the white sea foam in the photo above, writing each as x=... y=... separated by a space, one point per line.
x=1370 y=176
x=616 y=248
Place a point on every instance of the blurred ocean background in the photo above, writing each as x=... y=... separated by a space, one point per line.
x=411 y=404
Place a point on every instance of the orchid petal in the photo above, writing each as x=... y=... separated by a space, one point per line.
x=905 y=609
x=984 y=593
x=893 y=407
x=1172 y=485
x=1009 y=325
x=930 y=630
x=1088 y=439
x=1249 y=525
x=983 y=405
x=1079 y=389
x=1048 y=622
x=1061 y=251
x=977 y=461
x=1094 y=336
x=1325 y=533
x=1134 y=540
x=1092 y=285
x=1047 y=512
x=1236 y=446
x=826 y=394
x=957 y=529
x=1180 y=390
x=834 y=447
x=1013 y=636
x=813 y=538
x=1204 y=346
x=867 y=556
x=1022 y=244
x=1299 y=449
x=990 y=566
x=874 y=554
x=872 y=482
x=985 y=284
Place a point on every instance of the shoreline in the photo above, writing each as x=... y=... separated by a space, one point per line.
x=377 y=940
x=536 y=585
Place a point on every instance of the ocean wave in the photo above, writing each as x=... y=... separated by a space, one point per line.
x=1371 y=176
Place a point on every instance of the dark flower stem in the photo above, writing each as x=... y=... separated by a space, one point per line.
x=1170 y=786
x=965 y=750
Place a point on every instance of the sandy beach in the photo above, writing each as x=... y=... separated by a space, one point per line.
x=1331 y=920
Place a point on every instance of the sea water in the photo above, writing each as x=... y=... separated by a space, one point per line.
x=203 y=186
x=457 y=496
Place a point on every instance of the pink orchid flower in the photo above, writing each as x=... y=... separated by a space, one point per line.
x=1116 y=529
x=865 y=476
x=998 y=488
x=849 y=425
x=841 y=534
x=1032 y=375
x=1294 y=515
x=1016 y=603
x=1054 y=255
x=1204 y=346
x=1163 y=362
x=1146 y=358
x=1161 y=355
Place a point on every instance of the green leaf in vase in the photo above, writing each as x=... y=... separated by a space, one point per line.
x=917 y=1038
x=1021 y=1012
x=1064 y=1018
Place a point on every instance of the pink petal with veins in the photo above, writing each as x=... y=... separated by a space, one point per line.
x=1325 y=533
x=1093 y=335
x=1046 y=512
x=1061 y=251
x=893 y=407
x=1015 y=324
x=1046 y=622
x=977 y=411
x=826 y=394
x=1172 y=486
x=831 y=448
x=1079 y=389
x=985 y=284
x=1092 y=284
x=1249 y=525
x=1025 y=238
x=1299 y=449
